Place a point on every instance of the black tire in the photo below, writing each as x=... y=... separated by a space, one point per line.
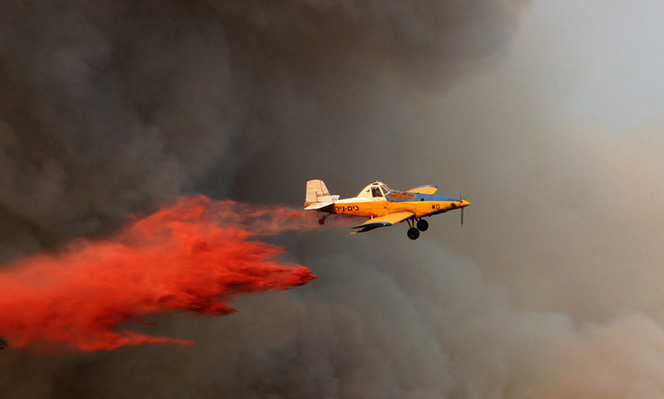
x=422 y=225
x=413 y=233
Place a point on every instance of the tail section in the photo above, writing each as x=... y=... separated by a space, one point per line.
x=318 y=196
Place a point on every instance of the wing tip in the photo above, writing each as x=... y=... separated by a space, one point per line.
x=372 y=225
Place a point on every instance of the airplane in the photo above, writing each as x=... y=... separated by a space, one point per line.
x=383 y=206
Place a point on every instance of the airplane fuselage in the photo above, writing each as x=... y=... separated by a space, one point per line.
x=422 y=205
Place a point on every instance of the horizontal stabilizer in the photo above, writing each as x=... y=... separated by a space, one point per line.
x=429 y=190
x=318 y=205
x=383 y=221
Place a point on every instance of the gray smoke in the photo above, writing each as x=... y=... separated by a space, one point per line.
x=113 y=107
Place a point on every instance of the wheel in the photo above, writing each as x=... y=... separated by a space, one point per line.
x=413 y=233
x=422 y=225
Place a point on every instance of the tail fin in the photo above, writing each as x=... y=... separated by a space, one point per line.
x=317 y=195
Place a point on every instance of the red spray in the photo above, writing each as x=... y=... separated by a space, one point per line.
x=193 y=256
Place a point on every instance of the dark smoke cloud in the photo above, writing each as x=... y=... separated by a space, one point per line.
x=106 y=108
x=113 y=107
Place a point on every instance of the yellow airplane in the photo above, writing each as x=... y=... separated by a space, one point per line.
x=383 y=206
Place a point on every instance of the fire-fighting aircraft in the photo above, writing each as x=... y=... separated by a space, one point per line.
x=383 y=206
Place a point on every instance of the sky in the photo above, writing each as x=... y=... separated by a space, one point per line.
x=544 y=115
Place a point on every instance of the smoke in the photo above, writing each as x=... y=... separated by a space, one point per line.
x=98 y=119
x=192 y=256
x=551 y=289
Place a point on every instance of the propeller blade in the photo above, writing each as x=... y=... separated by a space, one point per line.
x=460 y=201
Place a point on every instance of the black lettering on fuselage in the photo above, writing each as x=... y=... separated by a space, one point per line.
x=346 y=208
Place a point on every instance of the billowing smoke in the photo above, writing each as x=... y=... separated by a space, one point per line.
x=109 y=108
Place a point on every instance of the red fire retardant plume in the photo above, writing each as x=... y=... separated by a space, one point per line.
x=193 y=256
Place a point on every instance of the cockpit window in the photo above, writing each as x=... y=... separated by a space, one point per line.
x=401 y=196
x=375 y=192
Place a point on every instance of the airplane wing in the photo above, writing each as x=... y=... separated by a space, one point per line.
x=430 y=190
x=318 y=205
x=383 y=221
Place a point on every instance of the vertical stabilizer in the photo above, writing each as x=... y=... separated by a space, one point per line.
x=317 y=193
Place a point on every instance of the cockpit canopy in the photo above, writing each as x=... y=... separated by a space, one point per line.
x=374 y=190
x=380 y=190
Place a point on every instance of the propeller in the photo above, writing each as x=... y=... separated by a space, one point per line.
x=460 y=201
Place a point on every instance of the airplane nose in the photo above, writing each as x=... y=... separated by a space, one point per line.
x=464 y=204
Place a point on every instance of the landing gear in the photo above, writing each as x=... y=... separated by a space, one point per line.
x=422 y=225
x=321 y=220
x=416 y=225
x=413 y=233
